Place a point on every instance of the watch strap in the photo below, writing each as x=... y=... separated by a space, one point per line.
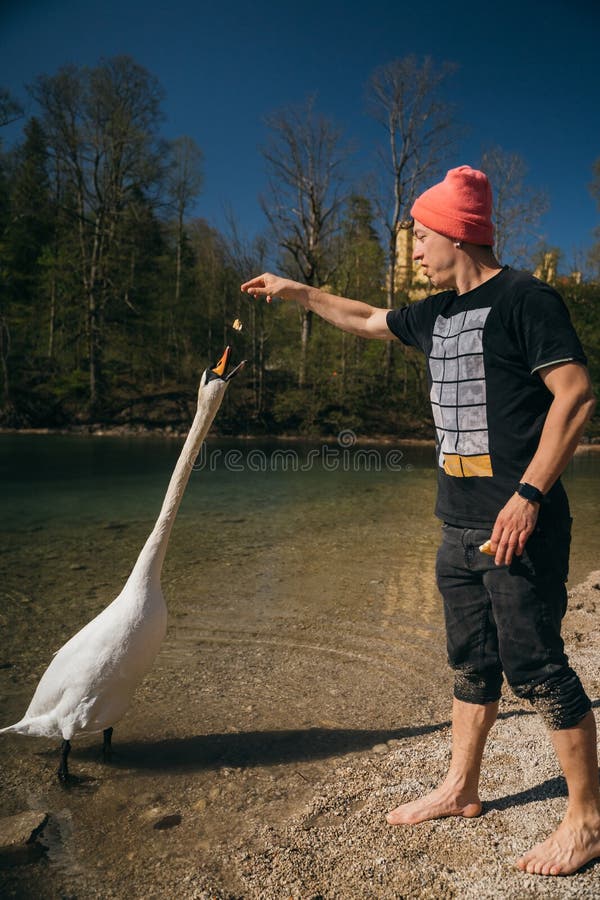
x=529 y=492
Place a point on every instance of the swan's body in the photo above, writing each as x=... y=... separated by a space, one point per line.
x=89 y=684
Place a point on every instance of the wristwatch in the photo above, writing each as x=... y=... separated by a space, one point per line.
x=530 y=492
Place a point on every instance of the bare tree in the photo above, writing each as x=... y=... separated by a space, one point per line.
x=518 y=208
x=101 y=127
x=404 y=97
x=250 y=256
x=306 y=193
x=593 y=256
x=595 y=182
x=10 y=109
x=183 y=185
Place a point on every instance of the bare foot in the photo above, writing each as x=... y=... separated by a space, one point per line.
x=444 y=801
x=567 y=849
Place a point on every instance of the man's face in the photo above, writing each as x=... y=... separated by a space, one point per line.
x=436 y=255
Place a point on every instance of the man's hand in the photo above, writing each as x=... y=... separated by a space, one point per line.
x=269 y=286
x=514 y=524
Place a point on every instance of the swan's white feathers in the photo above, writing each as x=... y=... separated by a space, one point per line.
x=90 y=681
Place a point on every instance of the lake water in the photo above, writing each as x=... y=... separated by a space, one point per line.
x=268 y=532
x=369 y=508
x=304 y=625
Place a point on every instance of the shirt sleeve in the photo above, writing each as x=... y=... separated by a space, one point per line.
x=406 y=323
x=544 y=330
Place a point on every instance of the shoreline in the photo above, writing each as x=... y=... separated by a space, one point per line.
x=85 y=431
x=173 y=433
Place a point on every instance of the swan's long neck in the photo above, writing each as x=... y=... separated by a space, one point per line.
x=155 y=548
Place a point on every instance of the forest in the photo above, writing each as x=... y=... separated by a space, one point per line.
x=114 y=297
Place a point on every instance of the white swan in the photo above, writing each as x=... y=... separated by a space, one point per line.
x=89 y=684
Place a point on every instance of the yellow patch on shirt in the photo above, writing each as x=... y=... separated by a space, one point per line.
x=467 y=466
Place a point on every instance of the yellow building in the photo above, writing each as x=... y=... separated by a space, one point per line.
x=546 y=271
x=409 y=275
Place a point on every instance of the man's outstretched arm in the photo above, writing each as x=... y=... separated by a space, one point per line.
x=350 y=315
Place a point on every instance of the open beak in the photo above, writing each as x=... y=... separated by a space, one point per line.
x=220 y=370
x=221 y=366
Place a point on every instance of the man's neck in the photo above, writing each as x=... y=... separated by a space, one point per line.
x=475 y=272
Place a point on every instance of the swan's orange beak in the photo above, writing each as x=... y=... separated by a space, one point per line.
x=220 y=370
x=221 y=366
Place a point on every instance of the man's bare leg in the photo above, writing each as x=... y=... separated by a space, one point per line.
x=458 y=795
x=576 y=841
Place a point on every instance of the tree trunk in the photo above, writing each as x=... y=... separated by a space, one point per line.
x=261 y=371
x=343 y=374
x=92 y=363
x=4 y=351
x=176 y=312
x=305 y=338
x=51 y=324
x=178 y=261
x=92 y=306
x=390 y=302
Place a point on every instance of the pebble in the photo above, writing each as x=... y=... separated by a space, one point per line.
x=16 y=832
x=168 y=822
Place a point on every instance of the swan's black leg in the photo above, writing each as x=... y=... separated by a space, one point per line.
x=63 y=770
x=106 y=746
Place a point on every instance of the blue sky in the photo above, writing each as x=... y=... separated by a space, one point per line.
x=528 y=79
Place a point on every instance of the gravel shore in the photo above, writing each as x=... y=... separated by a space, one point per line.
x=339 y=846
x=316 y=830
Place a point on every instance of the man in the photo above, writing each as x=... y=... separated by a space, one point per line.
x=510 y=396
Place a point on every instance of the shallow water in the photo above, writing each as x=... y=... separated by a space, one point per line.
x=304 y=626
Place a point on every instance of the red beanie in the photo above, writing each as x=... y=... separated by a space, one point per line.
x=459 y=207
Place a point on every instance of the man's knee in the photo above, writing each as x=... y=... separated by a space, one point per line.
x=471 y=686
x=560 y=698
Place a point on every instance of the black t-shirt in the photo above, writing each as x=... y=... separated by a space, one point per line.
x=484 y=350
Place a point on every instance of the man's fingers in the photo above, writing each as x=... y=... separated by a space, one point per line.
x=500 y=552
x=510 y=544
x=254 y=284
x=503 y=547
x=508 y=554
x=523 y=538
x=495 y=538
x=257 y=289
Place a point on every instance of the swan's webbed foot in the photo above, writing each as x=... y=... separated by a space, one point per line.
x=107 y=746
x=63 y=769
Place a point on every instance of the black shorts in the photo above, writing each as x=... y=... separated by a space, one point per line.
x=507 y=620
